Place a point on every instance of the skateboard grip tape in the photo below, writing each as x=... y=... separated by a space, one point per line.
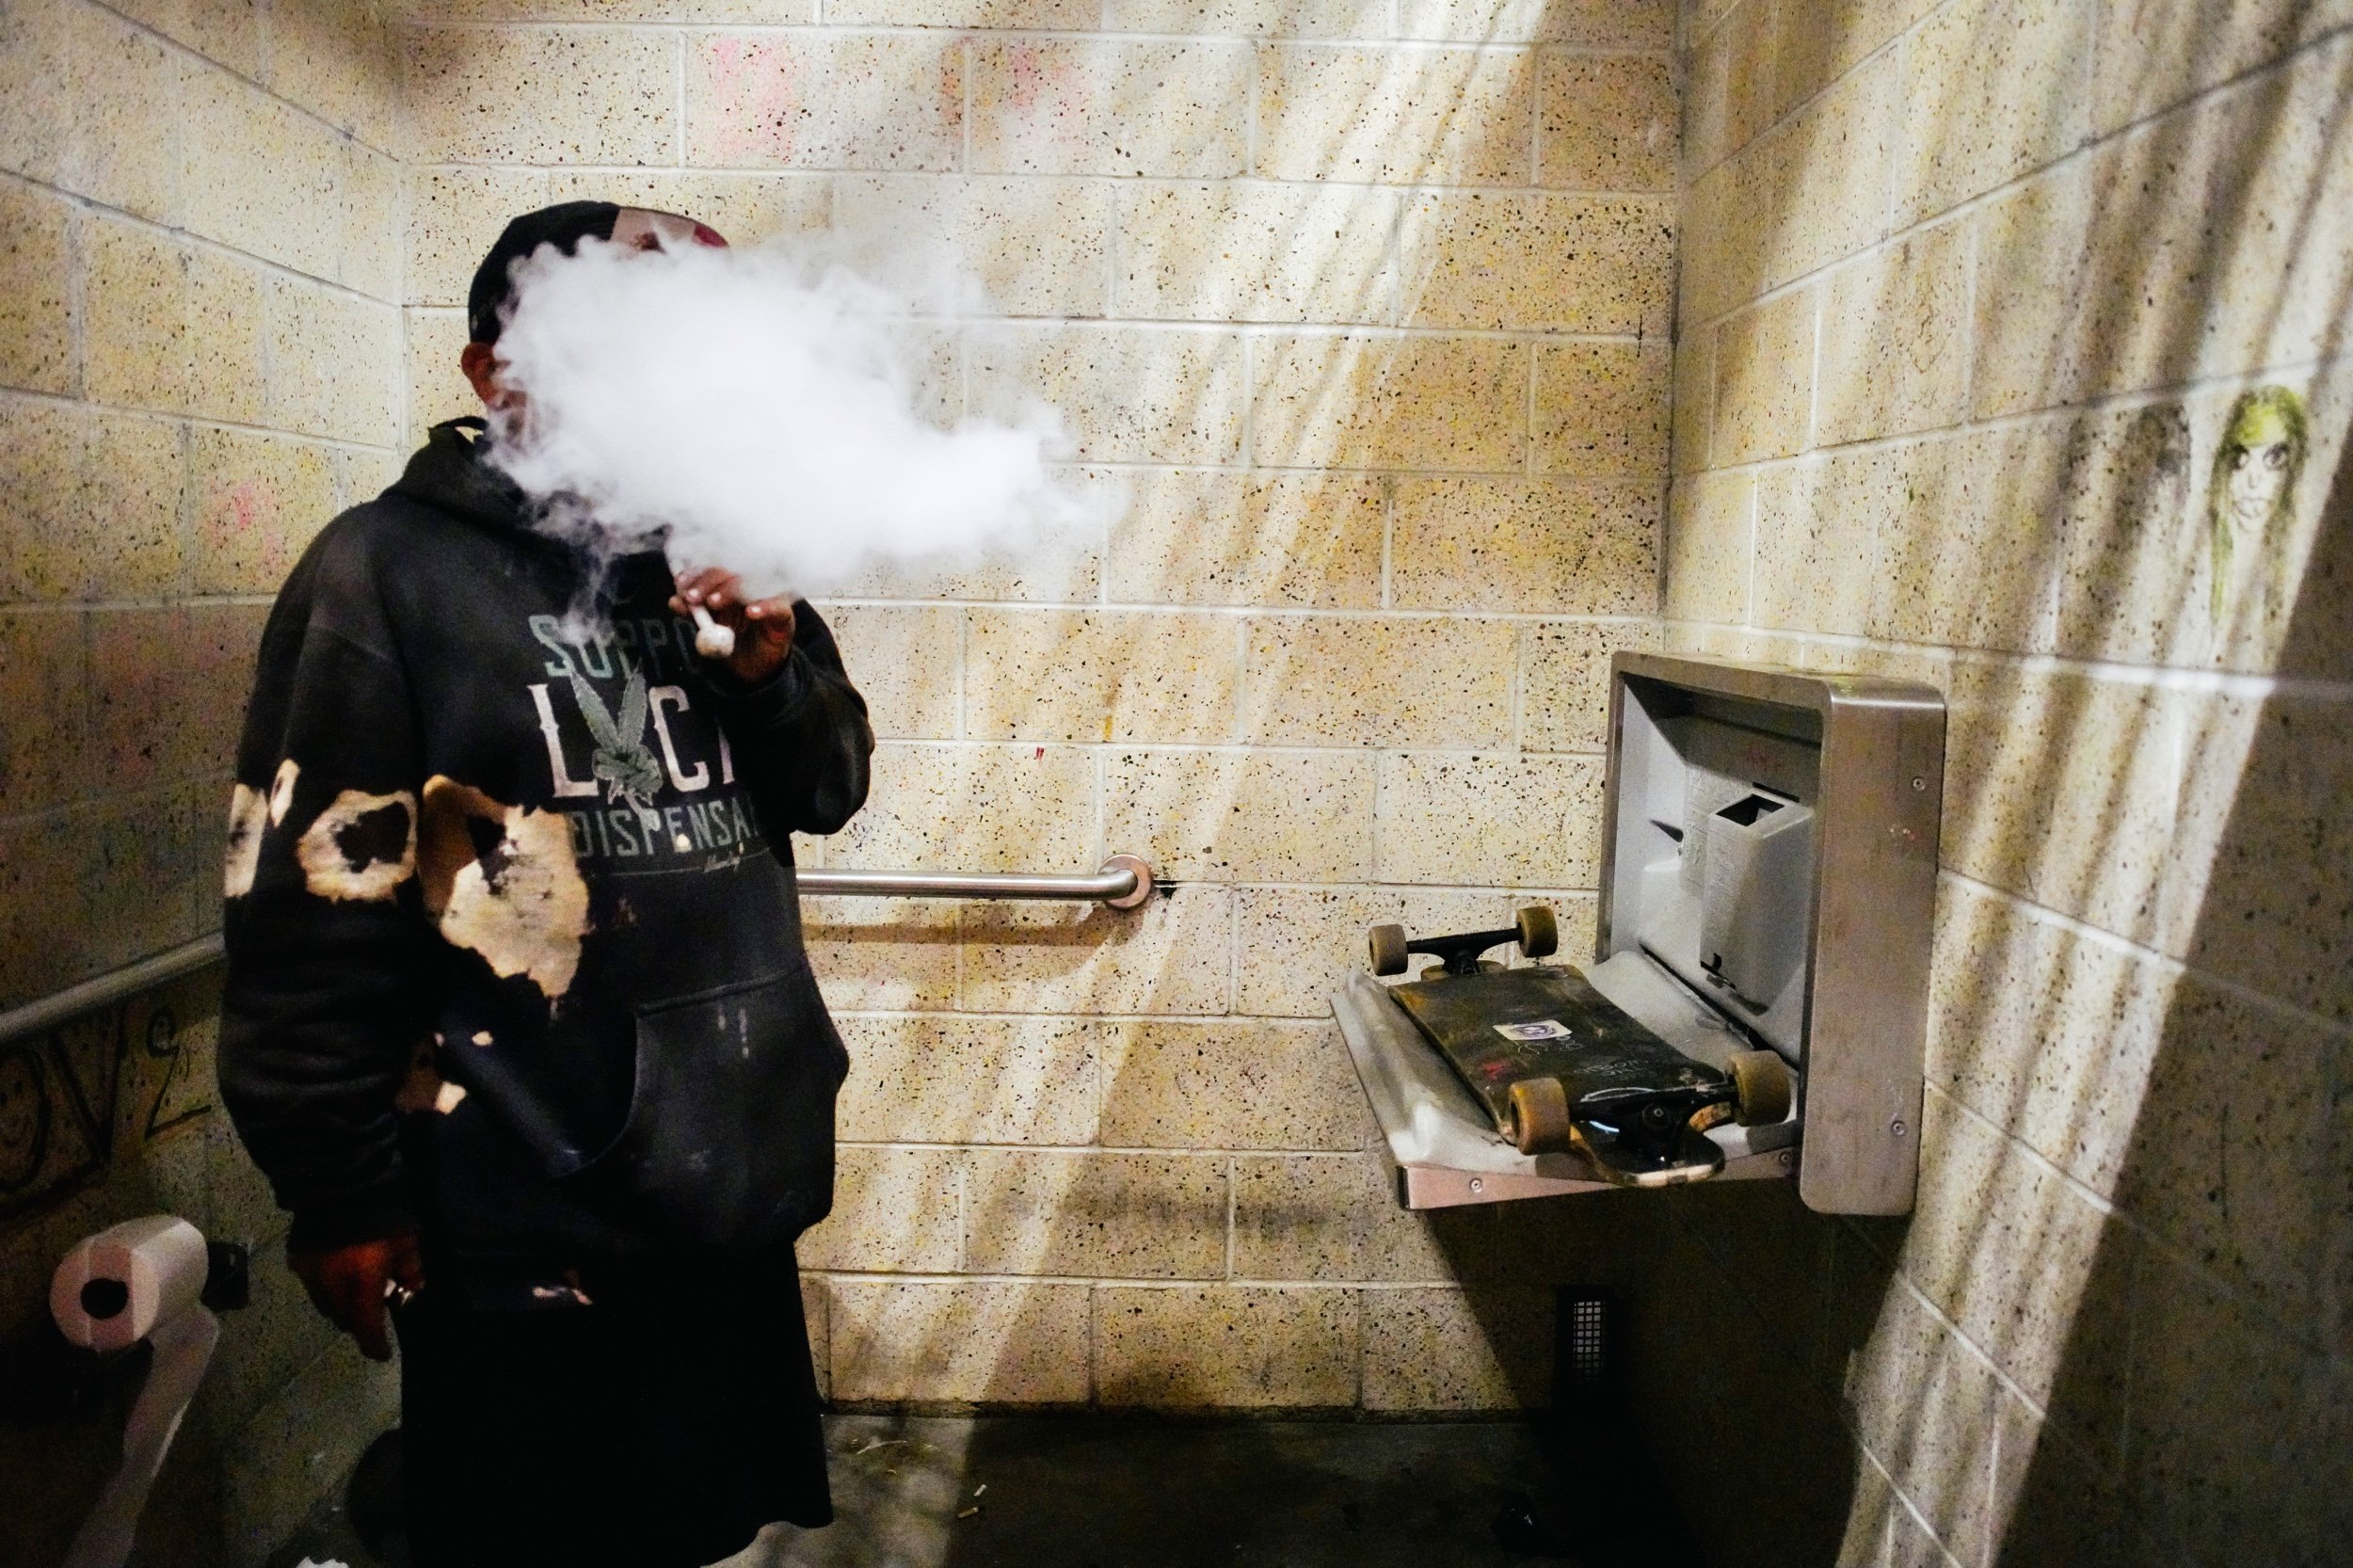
x=1540 y=1116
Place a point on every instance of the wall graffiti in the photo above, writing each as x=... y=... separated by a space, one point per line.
x=70 y=1097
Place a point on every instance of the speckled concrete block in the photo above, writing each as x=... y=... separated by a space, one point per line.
x=1564 y=681
x=1225 y=1347
x=258 y=501
x=333 y=363
x=291 y=1451
x=371 y=208
x=605 y=95
x=340 y=61
x=929 y=1079
x=1035 y=248
x=1294 y=946
x=1764 y=379
x=157 y=680
x=2180 y=50
x=1105 y=1216
x=1637 y=24
x=228 y=339
x=436 y=390
x=817 y=1317
x=233 y=129
x=2010 y=1252
x=1691 y=401
x=1443 y=117
x=1721 y=263
x=895 y=1211
x=1818 y=186
x=1974 y=566
x=1259 y=1084
x=1605 y=123
x=1730 y=98
x=907 y=661
x=1073 y=15
x=134 y=291
x=1567 y=547
x=1166 y=957
x=1601 y=409
x=1485 y=1349
x=894 y=955
x=38 y=323
x=1923 y=1403
x=2023 y=747
x=1826 y=527
x=1895 y=347
x=1498 y=821
x=1355 y=19
x=1817 y=41
x=1129 y=394
x=1333 y=1216
x=828 y=101
x=959 y=1342
x=1709 y=547
x=454 y=215
x=2130 y=509
x=44 y=694
x=93 y=501
x=1256 y=252
x=1309 y=541
x=1084 y=107
x=967 y=807
x=1354 y=400
x=2002 y=80
x=2214 y=1384
x=1362 y=681
x=230 y=34
x=1575 y=263
x=82 y=93
x=1035 y=675
x=1295 y=816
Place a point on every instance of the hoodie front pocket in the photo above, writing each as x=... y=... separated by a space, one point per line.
x=729 y=1146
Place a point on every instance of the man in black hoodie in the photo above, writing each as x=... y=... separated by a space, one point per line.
x=517 y=1020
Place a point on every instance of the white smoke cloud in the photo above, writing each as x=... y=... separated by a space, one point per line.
x=763 y=404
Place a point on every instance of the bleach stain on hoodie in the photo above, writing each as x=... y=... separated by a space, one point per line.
x=500 y=881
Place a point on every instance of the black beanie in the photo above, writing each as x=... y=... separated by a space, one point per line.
x=562 y=226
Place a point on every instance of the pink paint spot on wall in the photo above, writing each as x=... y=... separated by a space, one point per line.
x=757 y=88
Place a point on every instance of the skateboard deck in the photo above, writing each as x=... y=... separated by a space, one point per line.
x=1558 y=1066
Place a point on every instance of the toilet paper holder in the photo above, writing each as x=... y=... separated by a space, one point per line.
x=45 y=1378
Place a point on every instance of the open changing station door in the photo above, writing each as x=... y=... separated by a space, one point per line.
x=1757 y=1001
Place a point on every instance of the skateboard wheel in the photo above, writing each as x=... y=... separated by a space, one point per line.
x=1761 y=1079
x=1387 y=943
x=1540 y=1116
x=1540 y=934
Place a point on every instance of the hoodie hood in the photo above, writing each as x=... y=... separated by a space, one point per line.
x=449 y=473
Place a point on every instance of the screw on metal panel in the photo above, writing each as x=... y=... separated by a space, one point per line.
x=1920 y=784
x=1477 y=1185
x=1787 y=1159
x=1896 y=1126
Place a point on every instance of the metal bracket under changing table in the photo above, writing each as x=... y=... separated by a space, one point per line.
x=1443 y=1143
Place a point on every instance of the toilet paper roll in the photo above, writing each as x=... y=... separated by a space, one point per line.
x=140 y=1280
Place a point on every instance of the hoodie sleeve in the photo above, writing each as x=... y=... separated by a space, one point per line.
x=325 y=1001
x=801 y=736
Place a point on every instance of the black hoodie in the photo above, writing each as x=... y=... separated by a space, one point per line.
x=514 y=946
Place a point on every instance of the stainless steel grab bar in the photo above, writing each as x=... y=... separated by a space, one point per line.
x=1124 y=883
x=109 y=989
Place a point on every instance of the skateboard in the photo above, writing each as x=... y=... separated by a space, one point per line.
x=1559 y=1066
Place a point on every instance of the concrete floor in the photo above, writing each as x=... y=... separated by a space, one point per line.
x=1113 y=1492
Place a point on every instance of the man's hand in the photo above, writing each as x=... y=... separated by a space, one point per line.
x=762 y=626
x=349 y=1284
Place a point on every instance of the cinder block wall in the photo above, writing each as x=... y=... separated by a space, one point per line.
x=199 y=364
x=1972 y=293
x=1366 y=306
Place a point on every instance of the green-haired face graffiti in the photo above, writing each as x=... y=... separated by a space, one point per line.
x=2252 y=491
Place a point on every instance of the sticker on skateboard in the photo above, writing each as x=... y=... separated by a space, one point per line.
x=1559 y=1067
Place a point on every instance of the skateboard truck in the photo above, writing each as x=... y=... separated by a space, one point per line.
x=1533 y=928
